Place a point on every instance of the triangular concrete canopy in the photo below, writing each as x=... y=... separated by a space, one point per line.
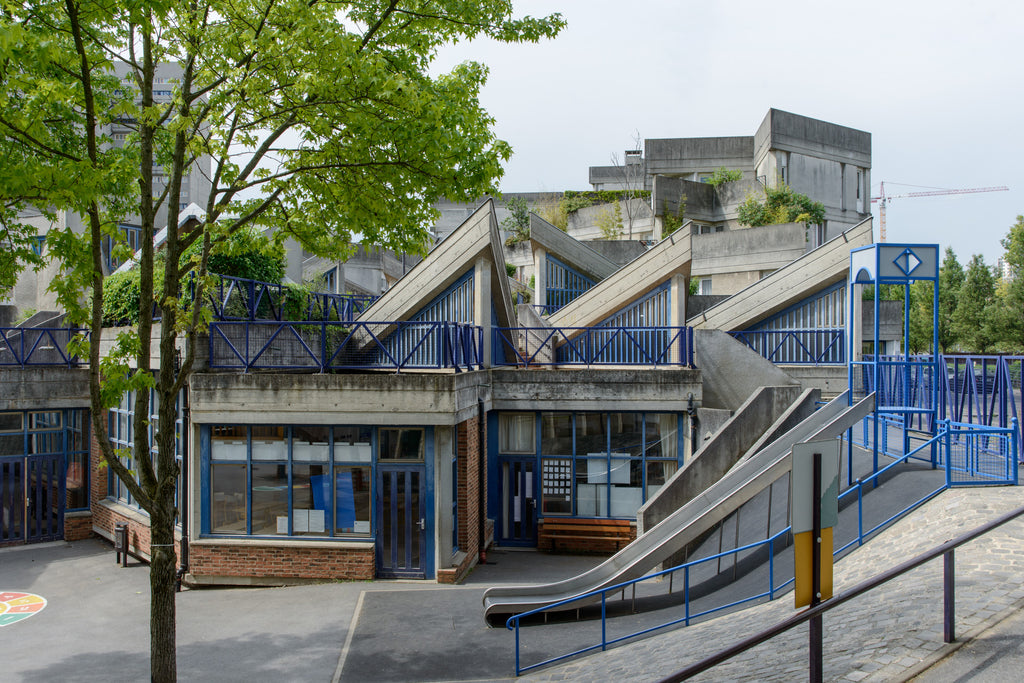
x=668 y=257
x=812 y=272
x=477 y=237
x=569 y=250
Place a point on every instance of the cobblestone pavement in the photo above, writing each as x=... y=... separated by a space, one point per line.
x=891 y=633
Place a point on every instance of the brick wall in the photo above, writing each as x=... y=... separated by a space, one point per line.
x=471 y=453
x=280 y=562
x=77 y=526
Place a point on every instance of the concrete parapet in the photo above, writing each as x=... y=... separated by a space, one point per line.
x=732 y=372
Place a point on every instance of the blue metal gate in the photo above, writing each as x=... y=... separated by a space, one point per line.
x=980 y=455
x=31 y=498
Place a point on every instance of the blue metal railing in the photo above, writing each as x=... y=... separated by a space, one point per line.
x=855 y=489
x=812 y=347
x=584 y=346
x=325 y=346
x=236 y=298
x=37 y=346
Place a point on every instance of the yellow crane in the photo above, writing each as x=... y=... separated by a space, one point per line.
x=883 y=199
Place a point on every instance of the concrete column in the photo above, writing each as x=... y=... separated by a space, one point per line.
x=540 y=284
x=677 y=310
x=482 y=304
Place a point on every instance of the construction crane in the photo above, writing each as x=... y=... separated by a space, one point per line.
x=883 y=199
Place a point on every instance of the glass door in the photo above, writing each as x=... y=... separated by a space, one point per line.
x=518 y=502
x=402 y=530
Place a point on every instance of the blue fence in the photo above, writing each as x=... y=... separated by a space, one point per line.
x=37 y=346
x=241 y=299
x=328 y=346
x=585 y=346
x=816 y=347
x=958 y=464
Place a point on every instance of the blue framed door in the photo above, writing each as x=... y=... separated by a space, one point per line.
x=31 y=498
x=402 y=550
x=518 y=502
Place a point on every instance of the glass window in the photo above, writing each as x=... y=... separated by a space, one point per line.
x=47 y=420
x=556 y=434
x=401 y=444
x=352 y=507
x=311 y=498
x=229 y=443
x=269 y=498
x=10 y=422
x=516 y=433
x=268 y=443
x=311 y=444
x=556 y=483
x=352 y=444
x=228 y=500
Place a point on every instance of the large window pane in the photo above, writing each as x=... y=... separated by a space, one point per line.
x=591 y=433
x=311 y=499
x=401 y=444
x=10 y=422
x=228 y=443
x=310 y=444
x=227 y=494
x=516 y=433
x=661 y=438
x=556 y=482
x=77 y=481
x=268 y=443
x=556 y=434
x=269 y=498
x=658 y=472
x=352 y=488
x=352 y=444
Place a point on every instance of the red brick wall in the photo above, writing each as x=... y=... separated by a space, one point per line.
x=471 y=451
x=281 y=561
x=77 y=528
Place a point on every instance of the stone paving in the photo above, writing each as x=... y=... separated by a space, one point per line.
x=892 y=633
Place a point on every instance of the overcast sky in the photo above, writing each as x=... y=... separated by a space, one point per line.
x=937 y=84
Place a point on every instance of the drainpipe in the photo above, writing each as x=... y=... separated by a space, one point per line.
x=185 y=436
x=694 y=424
x=481 y=472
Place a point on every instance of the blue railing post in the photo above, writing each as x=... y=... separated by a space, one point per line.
x=860 y=512
x=686 y=594
x=604 y=620
x=323 y=346
x=1014 y=454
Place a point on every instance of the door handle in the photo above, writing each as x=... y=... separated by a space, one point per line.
x=422 y=524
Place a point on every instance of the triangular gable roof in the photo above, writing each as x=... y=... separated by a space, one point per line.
x=788 y=285
x=638 y=277
x=190 y=213
x=569 y=250
x=447 y=261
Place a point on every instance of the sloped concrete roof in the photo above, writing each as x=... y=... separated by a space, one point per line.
x=810 y=273
x=569 y=250
x=447 y=261
x=638 y=277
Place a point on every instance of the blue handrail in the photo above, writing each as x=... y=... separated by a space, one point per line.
x=823 y=346
x=38 y=346
x=325 y=346
x=585 y=346
x=873 y=480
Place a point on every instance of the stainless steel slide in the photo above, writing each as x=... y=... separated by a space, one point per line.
x=748 y=478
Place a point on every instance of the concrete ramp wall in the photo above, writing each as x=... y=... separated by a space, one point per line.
x=759 y=414
x=731 y=371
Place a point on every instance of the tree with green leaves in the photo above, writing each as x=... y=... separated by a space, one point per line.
x=320 y=120
x=951 y=279
x=517 y=222
x=724 y=175
x=782 y=204
x=971 y=322
x=1007 y=315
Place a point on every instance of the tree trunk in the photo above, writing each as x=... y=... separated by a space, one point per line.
x=162 y=629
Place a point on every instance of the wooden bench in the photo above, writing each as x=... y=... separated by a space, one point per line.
x=585 y=535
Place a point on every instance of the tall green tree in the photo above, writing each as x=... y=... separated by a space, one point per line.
x=951 y=279
x=321 y=119
x=1007 y=316
x=971 y=323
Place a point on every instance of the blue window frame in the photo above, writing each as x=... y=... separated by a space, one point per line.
x=64 y=431
x=564 y=283
x=595 y=464
x=120 y=430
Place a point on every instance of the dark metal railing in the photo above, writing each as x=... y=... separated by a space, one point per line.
x=235 y=298
x=946 y=551
x=325 y=346
x=586 y=346
x=37 y=346
x=857 y=488
x=811 y=346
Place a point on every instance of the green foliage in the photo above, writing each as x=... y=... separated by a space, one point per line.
x=694 y=286
x=24 y=315
x=971 y=322
x=556 y=215
x=517 y=222
x=673 y=220
x=574 y=201
x=781 y=205
x=247 y=253
x=724 y=175
x=951 y=279
x=609 y=222
x=510 y=269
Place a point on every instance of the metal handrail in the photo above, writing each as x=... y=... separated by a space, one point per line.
x=38 y=346
x=601 y=345
x=513 y=622
x=946 y=549
x=812 y=346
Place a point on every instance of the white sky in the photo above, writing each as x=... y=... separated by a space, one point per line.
x=939 y=85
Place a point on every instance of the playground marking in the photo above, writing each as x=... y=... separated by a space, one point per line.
x=15 y=606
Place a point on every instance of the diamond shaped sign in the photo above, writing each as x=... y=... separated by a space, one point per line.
x=907 y=261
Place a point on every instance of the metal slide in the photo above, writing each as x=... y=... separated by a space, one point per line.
x=744 y=481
